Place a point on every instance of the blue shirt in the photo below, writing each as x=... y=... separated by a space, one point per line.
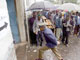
x=76 y=18
x=58 y=23
x=50 y=38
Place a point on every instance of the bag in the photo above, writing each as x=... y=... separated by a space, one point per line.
x=48 y=55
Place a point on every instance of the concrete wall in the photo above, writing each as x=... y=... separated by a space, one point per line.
x=7 y=51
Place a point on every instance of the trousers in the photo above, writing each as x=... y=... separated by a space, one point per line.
x=39 y=38
x=54 y=50
x=58 y=33
x=65 y=38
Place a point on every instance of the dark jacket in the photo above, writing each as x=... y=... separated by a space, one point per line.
x=50 y=38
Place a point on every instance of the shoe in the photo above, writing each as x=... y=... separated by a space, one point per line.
x=67 y=45
x=63 y=43
x=61 y=59
x=39 y=59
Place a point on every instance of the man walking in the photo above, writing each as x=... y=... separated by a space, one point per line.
x=51 y=43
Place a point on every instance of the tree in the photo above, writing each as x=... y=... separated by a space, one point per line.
x=70 y=1
x=50 y=0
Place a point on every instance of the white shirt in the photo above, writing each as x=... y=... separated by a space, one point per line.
x=68 y=24
x=36 y=25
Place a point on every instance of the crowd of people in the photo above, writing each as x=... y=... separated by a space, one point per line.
x=65 y=24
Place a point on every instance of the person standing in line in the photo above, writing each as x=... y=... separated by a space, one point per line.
x=66 y=31
x=72 y=24
x=32 y=35
x=37 y=31
x=51 y=43
x=78 y=25
x=58 y=27
x=74 y=20
x=55 y=21
x=45 y=13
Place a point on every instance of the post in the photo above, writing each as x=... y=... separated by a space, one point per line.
x=20 y=19
x=27 y=25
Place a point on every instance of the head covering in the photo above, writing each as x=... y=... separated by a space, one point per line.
x=42 y=25
x=39 y=15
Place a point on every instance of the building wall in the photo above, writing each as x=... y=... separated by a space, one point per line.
x=13 y=20
x=20 y=19
x=7 y=51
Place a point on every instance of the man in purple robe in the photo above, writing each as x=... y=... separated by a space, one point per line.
x=32 y=35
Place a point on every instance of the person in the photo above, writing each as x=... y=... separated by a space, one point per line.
x=74 y=21
x=72 y=24
x=79 y=32
x=51 y=43
x=55 y=18
x=32 y=35
x=66 y=31
x=53 y=14
x=45 y=13
x=58 y=27
x=78 y=21
x=76 y=24
x=36 y=29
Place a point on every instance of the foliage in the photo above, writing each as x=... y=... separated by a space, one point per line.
x=71 y=1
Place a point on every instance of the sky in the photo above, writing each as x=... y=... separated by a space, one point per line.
x=78 y=0
x=39 y=0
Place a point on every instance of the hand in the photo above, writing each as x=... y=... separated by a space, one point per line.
x=58 y=42
x=35 y=32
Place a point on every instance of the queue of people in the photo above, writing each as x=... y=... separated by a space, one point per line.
x=65 y=23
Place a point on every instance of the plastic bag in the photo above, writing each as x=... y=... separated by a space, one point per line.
x=48 y=55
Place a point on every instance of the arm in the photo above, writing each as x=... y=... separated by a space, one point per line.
x=34 y=26
x=53 y=39
x=49 y=35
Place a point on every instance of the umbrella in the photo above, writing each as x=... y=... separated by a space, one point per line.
x=41 y=5
x=69 y=7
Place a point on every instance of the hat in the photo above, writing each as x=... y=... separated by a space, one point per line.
x=39 y=15
x=42 y=25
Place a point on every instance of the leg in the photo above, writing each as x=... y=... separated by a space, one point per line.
x=31 y=41
x=55 y=51
x=60 y=30
x=63 y=38
x=37 y=38
x=58 y=33
x=76 y=29
x=41 y=38
x=67 y=36
x=41 y=51
x=64 y=33
x=79 y=31
x=41 y=42
x=32 y=38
